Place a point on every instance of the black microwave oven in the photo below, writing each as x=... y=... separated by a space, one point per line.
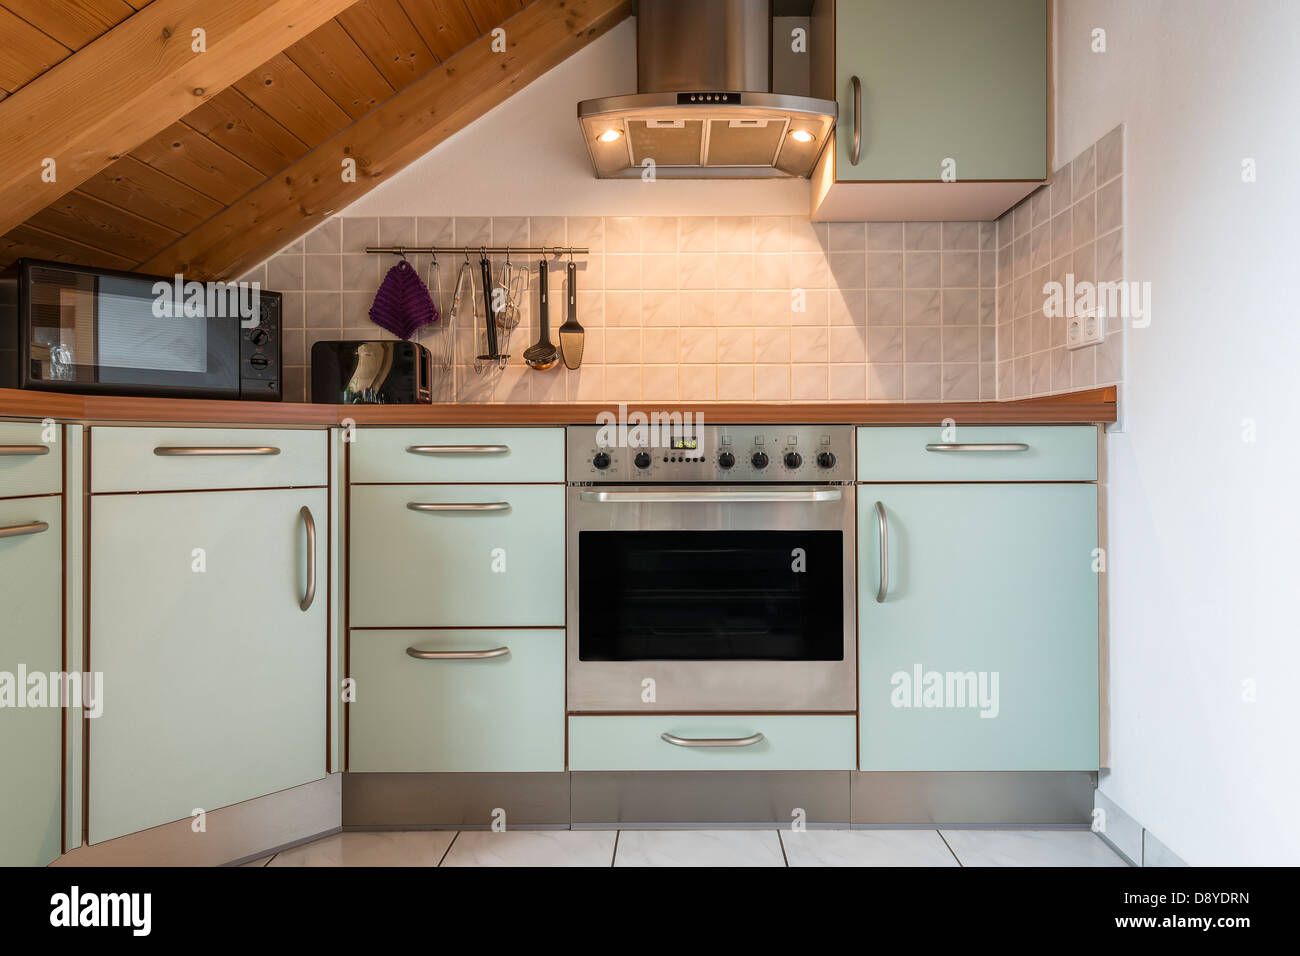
x=71 y=328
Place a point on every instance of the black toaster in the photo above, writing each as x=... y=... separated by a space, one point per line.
x=371 y=372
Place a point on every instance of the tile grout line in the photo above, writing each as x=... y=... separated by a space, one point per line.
x=443 y=858
x=950 y=849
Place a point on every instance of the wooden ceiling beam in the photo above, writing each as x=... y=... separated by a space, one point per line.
x=130 y=84
x=386 y=139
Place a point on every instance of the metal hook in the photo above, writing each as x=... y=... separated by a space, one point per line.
x=570 y=253
x=401 y=251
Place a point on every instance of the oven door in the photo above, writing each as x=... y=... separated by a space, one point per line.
x=706 y=598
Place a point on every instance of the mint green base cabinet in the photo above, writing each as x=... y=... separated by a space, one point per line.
x=992 y=599
x=472 y=556
x=503 y=713
x=214 y=680
x=942 y=79
x=788 y=742
x=31 y=637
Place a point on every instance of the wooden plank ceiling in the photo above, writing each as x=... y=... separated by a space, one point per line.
x=250 y=132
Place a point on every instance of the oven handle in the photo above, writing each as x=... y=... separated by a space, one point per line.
x=710 y=497
x=711 y=741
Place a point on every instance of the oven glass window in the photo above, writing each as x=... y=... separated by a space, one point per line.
x=711 y=595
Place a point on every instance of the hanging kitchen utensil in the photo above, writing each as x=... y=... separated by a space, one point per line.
x=542 y=355
x=508 y=294
x=441 y=347
x=571 y=333
x=402 y=303
x=493 y=353
x=462 y=299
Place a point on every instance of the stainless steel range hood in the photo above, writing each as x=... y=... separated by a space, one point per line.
x=705 y=107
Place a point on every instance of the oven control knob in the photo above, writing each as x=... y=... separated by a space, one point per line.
x=642 y=460
x=793 y=459
x=726 y=460
x=758 y=459
x=825 y=459
x=601 y=460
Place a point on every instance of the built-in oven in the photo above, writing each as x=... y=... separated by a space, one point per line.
x=712 y=571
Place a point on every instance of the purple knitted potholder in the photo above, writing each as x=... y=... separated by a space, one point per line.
x=403 y=303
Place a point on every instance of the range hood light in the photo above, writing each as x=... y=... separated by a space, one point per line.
x=801 y=136
x=610 y=135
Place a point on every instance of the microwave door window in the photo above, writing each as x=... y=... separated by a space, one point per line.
x=131 y=338
x=711 y=595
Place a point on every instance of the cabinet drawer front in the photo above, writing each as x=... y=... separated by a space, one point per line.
x=458 y=454
x=787 y=742
x=28 y=465
x=496 y=713
x=204 y=459
x=31 y=636
x=473 y=556
x=978 y=453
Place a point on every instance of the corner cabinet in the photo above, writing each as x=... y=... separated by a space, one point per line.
x=208 y=619
x=978 y=620
x=943 y=107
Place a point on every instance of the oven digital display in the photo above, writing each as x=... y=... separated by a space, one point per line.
x=685 y=444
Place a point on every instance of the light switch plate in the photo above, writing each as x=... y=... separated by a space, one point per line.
x=1084 y=330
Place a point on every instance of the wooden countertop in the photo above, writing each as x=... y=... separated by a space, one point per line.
x=1096 y=405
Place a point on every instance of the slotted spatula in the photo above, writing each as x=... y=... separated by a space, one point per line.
x=571 y=334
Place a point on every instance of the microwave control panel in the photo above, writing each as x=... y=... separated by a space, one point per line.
x=260 y=353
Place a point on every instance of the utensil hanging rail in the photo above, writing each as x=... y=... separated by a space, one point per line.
x=490 y=250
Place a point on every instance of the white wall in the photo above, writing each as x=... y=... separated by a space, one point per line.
x=527 y=158
x=1204 y=527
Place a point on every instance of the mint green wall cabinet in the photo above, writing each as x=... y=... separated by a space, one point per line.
x=31 y=637
x=991 y=588
x=497 y=713
x=469 y=556
x=942 y=79
x=214 y=680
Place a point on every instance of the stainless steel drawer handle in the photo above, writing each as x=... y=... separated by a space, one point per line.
x=310 y=523
x=857 y=121
x=23 y=451
x=978 y=446
x=459 y=506
x=711 y=741
x=18 y=530
x=458 y=449
x=883 y=590
x=456 y=655
x=710 y=497
x=197 y=451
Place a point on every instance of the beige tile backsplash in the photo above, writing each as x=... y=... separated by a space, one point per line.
x=1074 y=226
x=769 y=308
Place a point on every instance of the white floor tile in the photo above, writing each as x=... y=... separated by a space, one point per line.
x=532 y=848
x=866 y=848
x=699 y=848
x=377 y=848
x=1031 y=848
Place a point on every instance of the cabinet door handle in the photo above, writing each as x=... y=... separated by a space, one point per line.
x=883 y=590
x=310 y=523
x=458 y=506
x=857 y=121
x=978 y=446
x=458 y=449
x=711 y=741
x=456 y=655
x=196 y=451
x=23 y=451
x=18 y=530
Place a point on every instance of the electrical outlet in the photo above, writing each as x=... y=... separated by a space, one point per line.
x=1084 y=330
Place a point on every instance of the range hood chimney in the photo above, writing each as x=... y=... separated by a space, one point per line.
x=704 y=106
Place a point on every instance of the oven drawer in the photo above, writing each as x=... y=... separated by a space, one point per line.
x=206 y=459
x=978 y=453
x=28 y=466
x=787 y=742
x=458 y=455
x=497 y=713
x=457 y=555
